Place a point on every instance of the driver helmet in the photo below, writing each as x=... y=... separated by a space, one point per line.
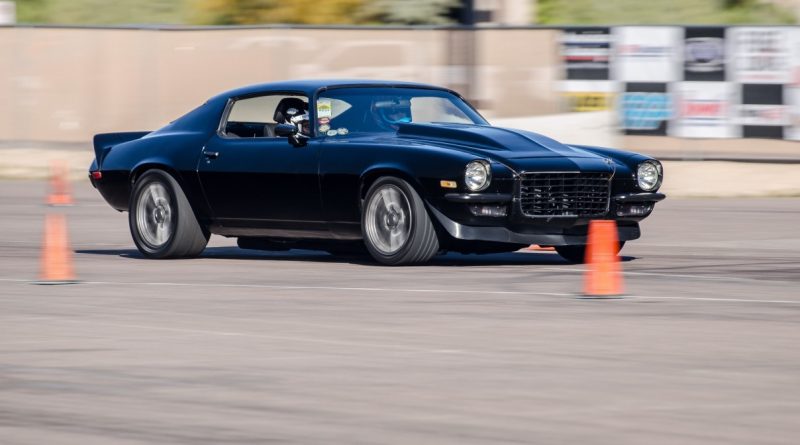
x=392 y=111
x=299 y=119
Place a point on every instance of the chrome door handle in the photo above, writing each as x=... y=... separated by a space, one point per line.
x=211 y=154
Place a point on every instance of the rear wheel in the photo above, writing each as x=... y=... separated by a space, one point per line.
x=161 y=220
x=396 y=227
x=577 y=253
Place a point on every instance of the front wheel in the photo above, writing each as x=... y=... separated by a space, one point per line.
x=161 y=219
x=396 y=227
x=577 y=253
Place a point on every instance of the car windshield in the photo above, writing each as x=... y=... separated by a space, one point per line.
x=344 y=111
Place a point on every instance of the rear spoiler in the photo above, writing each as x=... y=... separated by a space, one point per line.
x=103 y=143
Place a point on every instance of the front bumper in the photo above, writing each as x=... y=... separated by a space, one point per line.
x=543 y=236
x=639 y=197
x=517 y=228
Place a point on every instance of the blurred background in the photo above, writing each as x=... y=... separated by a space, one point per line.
x=679 y=79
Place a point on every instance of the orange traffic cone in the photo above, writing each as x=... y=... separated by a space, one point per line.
x=56 y=254
x=603 y=275
x=59 y=185
x=538 y=248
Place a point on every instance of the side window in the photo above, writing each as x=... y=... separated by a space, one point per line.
x=256 y=117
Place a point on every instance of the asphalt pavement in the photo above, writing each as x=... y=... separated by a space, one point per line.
x=299 y=347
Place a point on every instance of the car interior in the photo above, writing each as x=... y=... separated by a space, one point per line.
x=246 y=119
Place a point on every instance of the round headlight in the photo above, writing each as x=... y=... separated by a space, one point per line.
x=648 y=175
x=477 y=175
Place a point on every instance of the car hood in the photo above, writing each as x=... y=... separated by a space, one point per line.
x=519 y=149
x=496 y=141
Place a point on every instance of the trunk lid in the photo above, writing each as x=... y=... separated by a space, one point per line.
x=103 y=143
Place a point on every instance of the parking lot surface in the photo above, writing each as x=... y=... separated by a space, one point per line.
x=243 y=347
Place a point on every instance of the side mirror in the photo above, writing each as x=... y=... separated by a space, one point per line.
x=285 y=130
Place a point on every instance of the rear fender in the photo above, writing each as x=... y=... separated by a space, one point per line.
x=196 y=200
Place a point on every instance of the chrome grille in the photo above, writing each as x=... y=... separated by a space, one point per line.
x=573 y=194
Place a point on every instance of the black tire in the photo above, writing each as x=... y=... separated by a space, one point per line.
x=421 y=242
x=171 y=213
x=577 y=254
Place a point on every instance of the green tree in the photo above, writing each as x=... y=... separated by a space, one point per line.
x=249 y=12
x=654 y=12
x=100 y=12
x=234 y=12
x=410 y=12
x=31 y=11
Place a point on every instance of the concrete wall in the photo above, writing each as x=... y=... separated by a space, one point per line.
x=66 y=84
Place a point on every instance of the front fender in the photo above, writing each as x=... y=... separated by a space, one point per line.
x=371 y=174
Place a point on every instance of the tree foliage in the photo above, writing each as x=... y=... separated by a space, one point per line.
x=655 y=12
x=236 y=12
x=101 y=12
x=411 y=12
x=249 y=12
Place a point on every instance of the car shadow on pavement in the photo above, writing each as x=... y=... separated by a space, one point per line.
x=447 y=260
x=235 y=253
x=506 y=259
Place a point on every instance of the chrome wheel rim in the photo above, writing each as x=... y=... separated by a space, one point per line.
x=388 y=219
x=154 y=215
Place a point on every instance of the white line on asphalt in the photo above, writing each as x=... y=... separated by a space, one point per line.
x=380 y=289
x=293 y=338
x=735 y=300
x=78 y=245
x=657 y=274
x=509 y=266
x=269 y=286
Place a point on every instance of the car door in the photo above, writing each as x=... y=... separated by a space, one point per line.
x=261 y=185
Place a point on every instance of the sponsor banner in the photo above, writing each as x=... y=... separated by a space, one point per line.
x=647 y=54
x=589 y=101
x=586 y=53
x=792 y=98
x=704 y=110
x=583 y=86
x=794 y=56
x=762 y=113
x=645 y=108
x=704 y=54
x=8 y=13
x=760 y=55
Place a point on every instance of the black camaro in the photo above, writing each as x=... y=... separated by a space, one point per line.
x=402 y=170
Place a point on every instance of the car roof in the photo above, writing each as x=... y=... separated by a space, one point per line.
x=311 y=86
